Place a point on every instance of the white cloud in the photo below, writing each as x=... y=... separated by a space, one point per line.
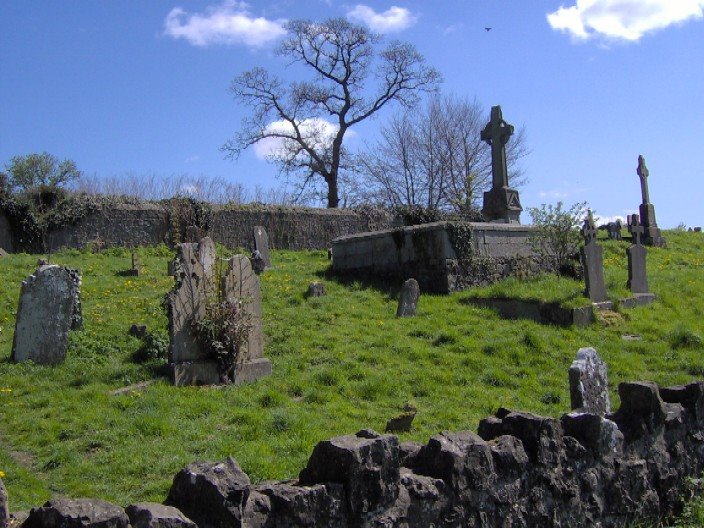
x=603 y=220
x=227 y=23
x=622 y=19
x=556 y=195
x=317 y=131
x=392 y=20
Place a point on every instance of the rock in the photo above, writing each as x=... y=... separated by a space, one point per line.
x=509 y=456
x=138 y=330
x=690 y=396
x=460 y=459
x=212 y=494
x=316 y=289
x=299 y=506
x=589 y=385
x=3 y=253
x=402 y=422
x=77 y=513
x=368 y=468
x=153 y=515
x=594 y=432
x=642 y=410
x=49 y=307
x=408 y=299
x=4 y=506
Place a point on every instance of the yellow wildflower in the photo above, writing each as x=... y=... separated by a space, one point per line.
x=2 y=474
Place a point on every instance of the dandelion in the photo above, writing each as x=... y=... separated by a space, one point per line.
x=2 y=474
x=5 y=390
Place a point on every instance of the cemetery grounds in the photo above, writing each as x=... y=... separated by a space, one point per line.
x=343 y=362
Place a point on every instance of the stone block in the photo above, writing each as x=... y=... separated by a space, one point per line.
x=153 y=515
x=252 y=370
x=186 y=373
x=211 y=494
x=77 y=513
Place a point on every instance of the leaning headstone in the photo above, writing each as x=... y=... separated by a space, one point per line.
x=589 y=384
x=408 y=299
x=49 y=307
x=194 y=268
x=593 y=262
x=501 y=203
x=240 y=286
x=652 y=236
x=637 y=278
x=316 y=289
x=261 y=244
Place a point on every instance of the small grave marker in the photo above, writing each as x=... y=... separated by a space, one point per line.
x=316 y=289
x=408 y=299
x=261 y=244
x=637 y=277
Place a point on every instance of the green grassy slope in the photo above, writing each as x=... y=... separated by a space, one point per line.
x=341 y=363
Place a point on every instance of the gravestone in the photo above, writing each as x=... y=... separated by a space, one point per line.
x=614 y=230
x=194 y=273
x=193 y=234
x=652 y=236
x=240 y=285
x=408 y=299
x=4 y=507
x=698 y=229
x=501 y=203
x=3 y=253
x=637 y=278
x=261 y=244
x=316 y=289
x=589 y=385
x=593 y=262
x=49 y=307
x=258 y=264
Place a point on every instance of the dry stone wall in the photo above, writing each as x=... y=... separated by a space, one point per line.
x=521 y=470
x=151 y=224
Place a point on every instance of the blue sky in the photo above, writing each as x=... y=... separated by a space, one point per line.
x=142 y=87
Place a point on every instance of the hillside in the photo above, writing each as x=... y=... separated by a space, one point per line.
x=341 y=363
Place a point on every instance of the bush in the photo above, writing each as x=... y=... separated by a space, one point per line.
x=155 y=345
x=557 y=236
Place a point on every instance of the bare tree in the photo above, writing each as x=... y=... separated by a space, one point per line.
x=435 y=157
x=352 y=80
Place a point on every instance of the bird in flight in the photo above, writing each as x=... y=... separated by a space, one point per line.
x=487 y=28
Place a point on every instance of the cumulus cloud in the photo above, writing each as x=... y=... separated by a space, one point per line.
x=392 y=20
x=600 y=220
x=317 y=131
x=625 y=20
x=228 y=23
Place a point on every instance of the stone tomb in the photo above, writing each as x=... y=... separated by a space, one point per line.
x=442 y=256
x=195 y=274
x=49 y=307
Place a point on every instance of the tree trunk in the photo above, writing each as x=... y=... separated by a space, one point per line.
x=333 y=198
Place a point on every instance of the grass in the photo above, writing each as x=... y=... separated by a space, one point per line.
x=341 y=363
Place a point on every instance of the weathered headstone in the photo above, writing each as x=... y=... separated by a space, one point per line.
x=408 y=299
x=652 y=236
x=133 y=271
x=316 y=289
x=241 y=285
x=593 y=262
x=589 y=384
x=614 y=230
x=637 y=278
x=49 y=307
x=501 y=203
x=194 y=273
x=261 y=244
x=4 y=506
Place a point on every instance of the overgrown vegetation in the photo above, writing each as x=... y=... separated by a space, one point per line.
x=341 y=363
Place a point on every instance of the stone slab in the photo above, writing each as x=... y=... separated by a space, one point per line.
x=241 y=283
x=641 y=299
x=408 y=299
x=250 y=371
x=195 y=373
x=261 y=244
x=538 y=311
x=589 y=385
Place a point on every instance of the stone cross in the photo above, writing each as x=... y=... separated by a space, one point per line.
x=593 y=262
x=497 y=133
x=637 y=277
x=643 y=174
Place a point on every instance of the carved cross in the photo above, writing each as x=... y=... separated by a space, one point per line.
x=635 y=229
x=643 y=174
x=588 y=229
x=497 y=133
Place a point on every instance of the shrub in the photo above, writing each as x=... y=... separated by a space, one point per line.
x=557 y=237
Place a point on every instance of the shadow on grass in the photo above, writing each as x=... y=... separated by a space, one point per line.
x=539 y=311
x=389 y=286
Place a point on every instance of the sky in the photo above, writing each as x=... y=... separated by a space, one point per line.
x=129 y=87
